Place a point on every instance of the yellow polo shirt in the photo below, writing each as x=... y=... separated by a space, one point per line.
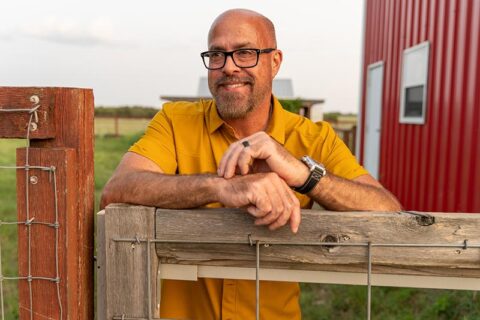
x=190 y=138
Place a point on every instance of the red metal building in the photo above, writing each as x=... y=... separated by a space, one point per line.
x=420 y=107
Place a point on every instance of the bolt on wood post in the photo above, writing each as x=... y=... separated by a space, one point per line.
x=62 y=137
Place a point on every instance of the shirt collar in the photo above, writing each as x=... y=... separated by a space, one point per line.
x=214 y=120
x=276 y=126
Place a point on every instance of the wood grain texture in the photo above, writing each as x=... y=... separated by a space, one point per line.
x=230 y=225
x=14 y=124
x=73 y=117
x=41 y=203
x=125 y=266
x=100 y=266
x=65 y=122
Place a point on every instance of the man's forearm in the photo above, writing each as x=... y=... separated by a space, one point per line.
x=335 y=193
x=161 y=190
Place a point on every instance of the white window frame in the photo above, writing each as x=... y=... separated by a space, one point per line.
x=418 y=82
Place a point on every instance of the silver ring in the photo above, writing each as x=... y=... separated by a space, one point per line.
x=246 y=143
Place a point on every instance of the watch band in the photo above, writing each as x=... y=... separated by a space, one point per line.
x=317 y=171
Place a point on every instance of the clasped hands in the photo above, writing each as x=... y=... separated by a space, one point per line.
x=260 y=173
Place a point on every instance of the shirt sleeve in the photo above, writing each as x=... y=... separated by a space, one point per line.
x=336 y=156
x=158 y=143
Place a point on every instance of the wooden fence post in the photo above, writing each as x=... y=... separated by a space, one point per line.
x=45 y=252
x=127 y=282
x=61 y=136
x=117 y=132
x=73 y=114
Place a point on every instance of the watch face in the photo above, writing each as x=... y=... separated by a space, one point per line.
x=317 y=171
x=312 y=164
x=308 y=161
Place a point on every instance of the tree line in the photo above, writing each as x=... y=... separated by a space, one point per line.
x=125 y=112
x=149 y=112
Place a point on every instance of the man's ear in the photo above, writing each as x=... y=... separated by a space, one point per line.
x=276 y=62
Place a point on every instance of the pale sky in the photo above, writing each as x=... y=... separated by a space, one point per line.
x=131 y=52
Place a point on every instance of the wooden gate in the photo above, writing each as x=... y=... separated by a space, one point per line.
x=139 y=246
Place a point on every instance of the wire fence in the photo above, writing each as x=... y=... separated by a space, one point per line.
x=30 y=222
x=258 y=244
x=140 y=246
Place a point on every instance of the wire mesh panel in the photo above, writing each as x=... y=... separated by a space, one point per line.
x=50 y=197
x=369 y=248
x=27 y=224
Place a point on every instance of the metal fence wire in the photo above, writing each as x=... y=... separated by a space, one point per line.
x=30 y=222
x=259 y=244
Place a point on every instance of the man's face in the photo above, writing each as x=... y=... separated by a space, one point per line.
x=238 y=91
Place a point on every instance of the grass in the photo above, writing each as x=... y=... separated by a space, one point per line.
x=349 y=302
x=106 y=126
x=318 y=301
x=8 y=233
x=108 y=152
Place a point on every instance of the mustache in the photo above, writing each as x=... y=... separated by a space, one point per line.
x=228 y=80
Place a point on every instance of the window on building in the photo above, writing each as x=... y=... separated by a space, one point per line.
x=413 y=102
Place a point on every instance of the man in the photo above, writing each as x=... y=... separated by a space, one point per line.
x=241 y=150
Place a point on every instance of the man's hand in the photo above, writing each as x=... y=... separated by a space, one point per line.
x=266 y=196
x=262 y=153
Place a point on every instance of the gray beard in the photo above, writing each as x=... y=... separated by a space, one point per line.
x=234 y=106
x=230 y=107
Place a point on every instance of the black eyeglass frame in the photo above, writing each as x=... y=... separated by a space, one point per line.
x=230 y=54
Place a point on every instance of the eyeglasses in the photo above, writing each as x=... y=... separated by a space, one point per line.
x=242 y=58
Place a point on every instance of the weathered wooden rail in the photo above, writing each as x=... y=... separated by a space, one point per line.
x=138 y=246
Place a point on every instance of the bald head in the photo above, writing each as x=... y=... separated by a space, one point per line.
x=239 y=91
x=264 y=25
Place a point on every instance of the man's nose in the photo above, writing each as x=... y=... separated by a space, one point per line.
x=230 y=66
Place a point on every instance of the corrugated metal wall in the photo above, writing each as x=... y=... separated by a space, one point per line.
x=436 y=166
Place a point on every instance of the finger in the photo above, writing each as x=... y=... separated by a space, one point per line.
x=245 y=161
x=254 y=211
x=223 y=161
x=269 y=194
x=221 y=165
x=229 y=161
x=260 y=208
x=296 y=216
x=280 y=221
x=295 y=219
x=226 y=157
x=275 y=193
x=272 y=216
x=291 y=211
x=240 y=158
x=267 y=219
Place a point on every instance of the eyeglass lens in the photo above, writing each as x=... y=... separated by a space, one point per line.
x=244 y=58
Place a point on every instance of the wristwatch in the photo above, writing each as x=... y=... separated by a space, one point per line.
x=317 y=171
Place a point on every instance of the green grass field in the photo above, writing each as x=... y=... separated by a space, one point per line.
x=318 y=301
x=106 y=126
x=8 y=233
